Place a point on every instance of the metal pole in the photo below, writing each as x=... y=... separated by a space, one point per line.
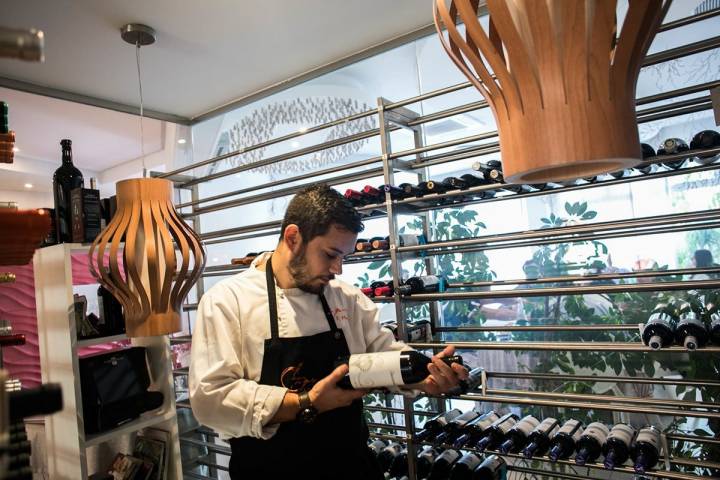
x=632 y=347
x=598 y=378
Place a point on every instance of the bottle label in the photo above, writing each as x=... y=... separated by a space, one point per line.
x=622 y=432
x=660 y=318
x=407 y=240
x=527 y=425
x=691 y=320
x=598 y=431
x=715 y=320
x=569 y=427
x=493 y=463
x=483 y=424
x=370 y=370
x=470 y=460
x=651 y=436
x=509 y=423
x=450 y=455
x=547 y=426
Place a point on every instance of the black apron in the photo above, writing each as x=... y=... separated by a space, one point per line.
x=332 y=447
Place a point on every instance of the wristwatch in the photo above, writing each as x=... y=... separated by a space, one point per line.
x=308 y=412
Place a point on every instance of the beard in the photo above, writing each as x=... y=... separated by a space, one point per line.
x=301 y=276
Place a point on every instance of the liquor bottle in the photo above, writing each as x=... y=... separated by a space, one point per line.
x=399 y=466
x=426 y=284
x=471 y=383
x=65 y=179
x=617 y=446
x=410 y=190
x=497 y=431
x=443 y=464
x=492 y=468
x=246 y=260
x=388 y=454
x=660 y=327
x=111 y=314
x=517 y=437
x=396 y=193
x=464 y=468
x=691 y=331
x=435 y=425
x=562 y=445
x=539 y=439
x=453 y=428
x=712 y=313
x=376 y=446
x=591 y=443
x=672 y=146
x=86 y=219
x=4 y=123
x=425 y=460
x=647 y=151
x=476 y=430
x=646 y=450
x=704 y=140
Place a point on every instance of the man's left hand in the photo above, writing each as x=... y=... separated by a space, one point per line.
x=443 y=377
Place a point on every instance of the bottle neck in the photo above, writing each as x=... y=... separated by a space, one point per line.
x=67 y=157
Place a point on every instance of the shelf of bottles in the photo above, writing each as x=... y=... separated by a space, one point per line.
x=571 y=432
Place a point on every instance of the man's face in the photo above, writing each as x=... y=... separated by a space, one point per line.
x=318 y=261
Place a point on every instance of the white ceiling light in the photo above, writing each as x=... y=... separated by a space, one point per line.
x=181 y=141
x=15 y=149
x=295 y=144
x=28 y=185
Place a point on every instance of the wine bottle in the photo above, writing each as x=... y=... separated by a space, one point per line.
x=356 y=198
x=562 y=445
x=432 y=186
x=471 y=383
x=435 y=425
x=646 y=450
x=539 y=440
x=385 y=290
x=497 y=431
x=65 y=179
x=111 y=314
x=455 y=183
x=425 y=460
x=518 y=435
x=376 y=446
x=712 y=313
x=672 y=146
x=388 y=454
x=246 y=260
x=419 y=331
x=691 y=331
x=404 y=239
x=704 y=140
x=463 y=469
x=475 y=430
x=426 y=284
x=474 y=180
x=617 y=446
x=399 y=466
x=366 y=245
x=453 y=428
x=4 y=123
x=660 y=327
x=591 y=443
x=373 y=195
x=410 y=190
x=443 y=464
x=492 y=468
x=396 y=193
x=647 y=152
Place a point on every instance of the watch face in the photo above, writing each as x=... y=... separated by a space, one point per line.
x=308 y=415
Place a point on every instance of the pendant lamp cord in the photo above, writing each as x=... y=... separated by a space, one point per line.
x=142 y=132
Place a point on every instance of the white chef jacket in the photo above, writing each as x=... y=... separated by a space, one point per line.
x=231 y=326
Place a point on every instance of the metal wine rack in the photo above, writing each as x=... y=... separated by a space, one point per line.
x=393 y=116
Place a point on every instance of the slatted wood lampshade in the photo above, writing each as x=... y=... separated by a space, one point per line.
x=162 y=257
x=560 y=82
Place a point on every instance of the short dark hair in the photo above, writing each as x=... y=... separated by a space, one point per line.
x=316 y=208
x=703 y=258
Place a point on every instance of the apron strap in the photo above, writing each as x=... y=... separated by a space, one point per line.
x=272 y=303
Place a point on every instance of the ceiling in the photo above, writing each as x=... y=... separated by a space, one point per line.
x=207 y=54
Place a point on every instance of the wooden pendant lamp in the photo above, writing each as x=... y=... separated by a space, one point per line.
x=148 y=284
x=559 y=81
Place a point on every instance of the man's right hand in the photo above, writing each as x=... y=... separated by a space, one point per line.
x=326 y=395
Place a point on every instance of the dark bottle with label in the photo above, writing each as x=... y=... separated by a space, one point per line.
x=539 y=440
x=464 y=468
x=455 y=183
x=497 y=431
x=111 y=314
x=672 y=146
x=691 y=331
x=373 y=195
x=425 y=460
x=387 y=455
x=410 y=190
x=426 y=284
x=404 y=240
x=476 y=430
x=562 y=445
x=453 y=429
x=492 y=468
x=518 y=435
x=473 y=381
x=396 y=193
x=356 y=198
x=617 y=446
x=659 y=330
x=376 y=446
x=399 y=465
x=436 y=424
x=65 y=179
x=370 y=291
x=647 y=151
x=712 y=313
x=704 y=140
x=646 y=450
x=591 y=443
x=432 y=186
x=443 y=464
x=473 y=180
x=419 y=331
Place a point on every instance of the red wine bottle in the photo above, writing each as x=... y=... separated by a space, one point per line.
x=473 y=381
x=647 y=152
x=366 y=245
x=411 y=190
x=435 y=425
x=356 y=198
x=538 y=441
x=691 y=331
x=704 y=140
x=476 y=430
x=672 y=146
x=617 y=446
x=562 y=445
x=396 y=193
x=443 y=464
x=373 y=195
x=453 y=429
x=646 y=450
x=591 y=443
x=712 y=313
x=385 y=369
x=659 y=330
x=518 y=435
x=463 y=469
x=492 y=468
x=399 y=466
x=376 y=446
x=432 y=186
x=497 y=431
x=426 y=284
x=65 y=179
x=425 y=460
x=388 y=454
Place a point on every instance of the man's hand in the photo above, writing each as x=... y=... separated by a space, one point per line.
x=442 y=376
x=326 y=395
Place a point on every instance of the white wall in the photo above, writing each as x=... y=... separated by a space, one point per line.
x=27 y=199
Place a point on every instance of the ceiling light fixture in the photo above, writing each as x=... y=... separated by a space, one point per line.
x=181 y=141
x=28 y=185
x=15 y=149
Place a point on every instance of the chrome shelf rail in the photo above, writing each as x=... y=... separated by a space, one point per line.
x=628 y=347
x=555 y=377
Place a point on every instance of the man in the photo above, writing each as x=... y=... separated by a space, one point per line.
x=265 y=343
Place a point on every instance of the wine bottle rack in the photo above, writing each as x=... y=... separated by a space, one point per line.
x=395 y=116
